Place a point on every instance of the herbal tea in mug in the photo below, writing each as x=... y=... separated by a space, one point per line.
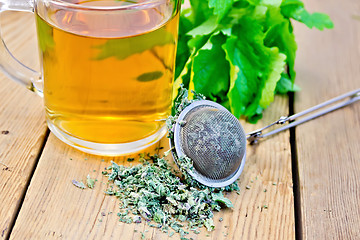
x=107 y=70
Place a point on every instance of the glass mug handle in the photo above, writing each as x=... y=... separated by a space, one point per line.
x=12 y=67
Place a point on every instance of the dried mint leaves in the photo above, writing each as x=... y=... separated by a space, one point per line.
x=152 y=192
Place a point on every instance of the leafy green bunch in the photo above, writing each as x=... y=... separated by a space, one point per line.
x=240 y=53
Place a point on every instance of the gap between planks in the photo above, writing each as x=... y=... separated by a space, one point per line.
x=295 y=173
x=26 y=187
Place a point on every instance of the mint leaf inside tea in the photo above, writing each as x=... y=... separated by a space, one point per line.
x=108 y=74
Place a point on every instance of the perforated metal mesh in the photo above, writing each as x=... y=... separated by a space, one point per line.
x=215 y=141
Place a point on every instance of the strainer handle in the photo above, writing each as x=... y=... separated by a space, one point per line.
x=354 y=95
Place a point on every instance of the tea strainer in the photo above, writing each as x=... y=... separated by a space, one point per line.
x=215 y=141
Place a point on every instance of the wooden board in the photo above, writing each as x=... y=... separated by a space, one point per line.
x=328 y=148
x=328 y=151
x=55 y=209
x=22 y=123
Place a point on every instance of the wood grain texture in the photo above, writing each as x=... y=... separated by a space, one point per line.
x=55 y=209
x=328 y=64
x=22 y=123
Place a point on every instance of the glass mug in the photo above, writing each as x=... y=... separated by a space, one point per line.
x=106 y=69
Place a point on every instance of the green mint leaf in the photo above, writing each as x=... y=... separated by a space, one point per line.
x=279 y=34
x=285 y=85
x=150 y=76
x=295 y=9
x=200 y=11
x=239 y=92
x=221 y=7
x=183 y=51
x=255 y=69
x=182 y=56
x=276 y=67
x=244 y=52
x=122 y=48
x=197 y=42
x=271 y=3
x=182 y=80
x=211 y=70
x=205 y=28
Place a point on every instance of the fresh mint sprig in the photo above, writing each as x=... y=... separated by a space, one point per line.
x=240 y=53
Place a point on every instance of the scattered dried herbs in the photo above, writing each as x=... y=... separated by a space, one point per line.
x=181 y=102
x=153 y=192
x=90 y=182
x=78 y=184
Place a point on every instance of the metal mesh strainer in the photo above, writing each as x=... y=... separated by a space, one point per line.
x=214 y=139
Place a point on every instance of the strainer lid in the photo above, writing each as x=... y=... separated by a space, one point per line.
x=214 y=140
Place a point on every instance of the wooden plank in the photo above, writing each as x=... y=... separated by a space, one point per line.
x=22 y=123
x=328 y=64
x=54 y=208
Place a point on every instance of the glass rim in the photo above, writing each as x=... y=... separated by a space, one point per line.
x=133 y=6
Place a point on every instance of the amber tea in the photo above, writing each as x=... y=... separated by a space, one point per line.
x=108 y=80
